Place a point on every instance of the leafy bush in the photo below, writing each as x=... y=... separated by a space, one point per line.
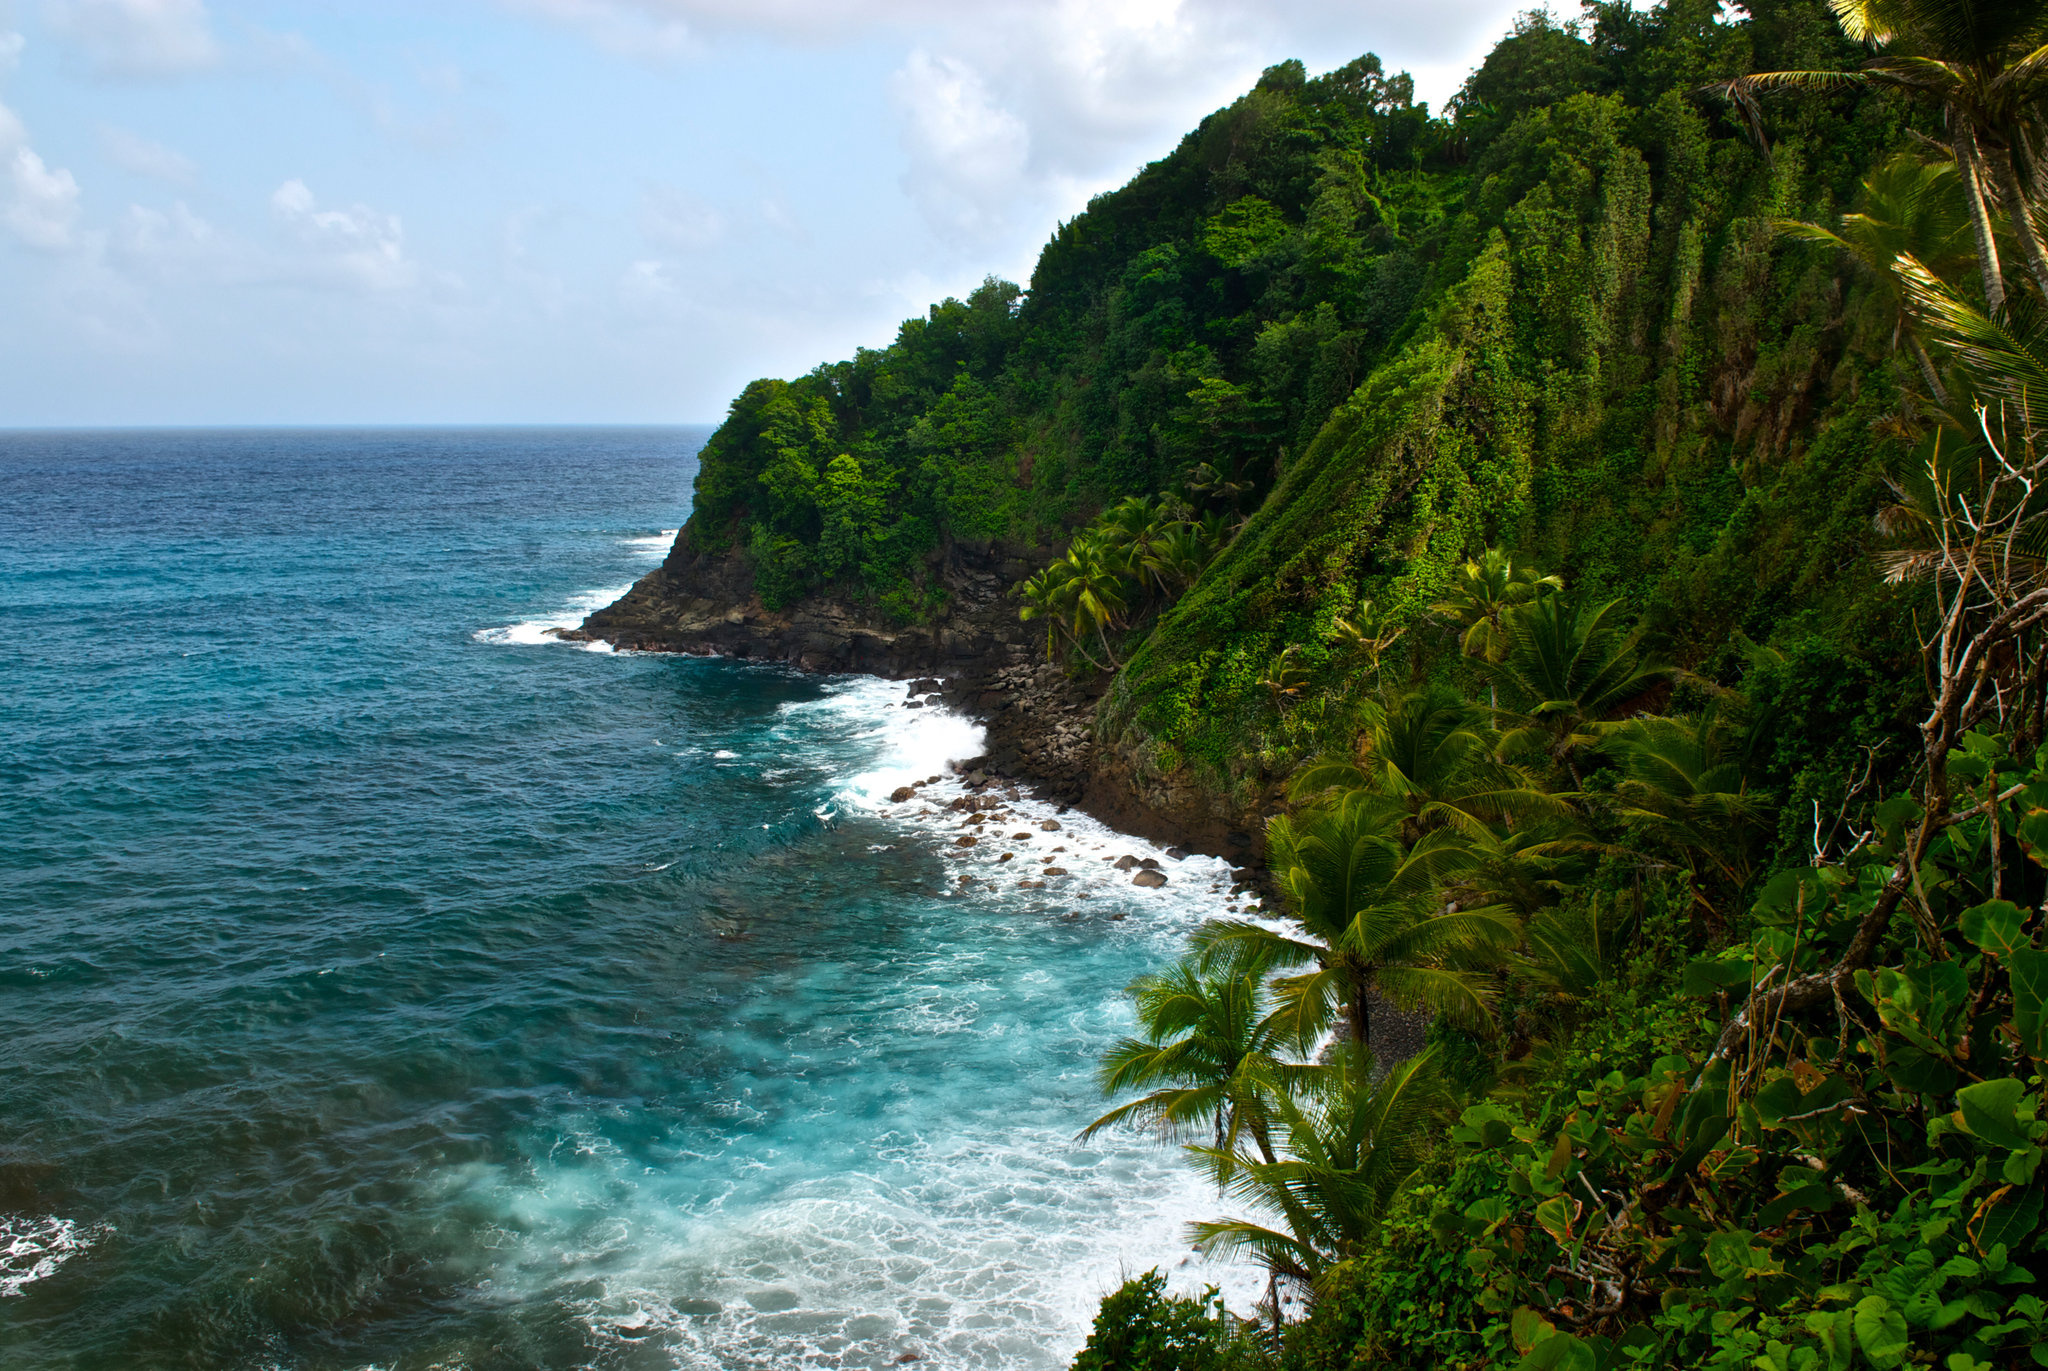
x=1142 y=1328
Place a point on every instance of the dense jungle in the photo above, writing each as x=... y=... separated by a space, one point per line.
x=1597 y=528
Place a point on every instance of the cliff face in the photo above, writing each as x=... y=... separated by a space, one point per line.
x=1040 y=723
x=1355 y=345
x=707 y=604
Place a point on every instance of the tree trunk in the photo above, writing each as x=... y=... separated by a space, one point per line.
x=2022 y=220
x=1927 y=371
x=1263 y=1136
x=1970 y=163
x=1113 y=663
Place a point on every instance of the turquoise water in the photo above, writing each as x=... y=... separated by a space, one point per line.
x=386 y=984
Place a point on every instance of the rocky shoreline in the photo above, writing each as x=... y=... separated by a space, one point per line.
x=976 y=657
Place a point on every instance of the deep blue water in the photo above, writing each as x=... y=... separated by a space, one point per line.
x=385 y=984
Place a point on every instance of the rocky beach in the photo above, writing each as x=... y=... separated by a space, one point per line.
x=976 y=657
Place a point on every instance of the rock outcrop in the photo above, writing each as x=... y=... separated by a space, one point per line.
x=976 y=655
x=705 y=604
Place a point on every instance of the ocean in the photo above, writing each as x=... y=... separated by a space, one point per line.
x=387 y=984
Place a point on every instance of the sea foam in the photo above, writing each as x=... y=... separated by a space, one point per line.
x=32 y=1249
x=656 y=545
x=537 y=632
x=972 y=1241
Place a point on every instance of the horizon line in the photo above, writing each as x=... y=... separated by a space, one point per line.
x=345 y=426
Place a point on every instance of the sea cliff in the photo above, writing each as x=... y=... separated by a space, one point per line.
x=1040 y=719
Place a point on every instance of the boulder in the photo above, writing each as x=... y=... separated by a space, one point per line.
x=1054 y=871
x=1150 y=863
x=1049 y=825
x=969 y=841
x=1125 y=862
x=1149 y=878
x=902 y=793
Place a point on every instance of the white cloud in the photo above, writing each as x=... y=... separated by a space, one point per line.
x=1013 y=112
x=146 y=157
x=642 y=32
x=137 y=37
x=170 y=237
x=42 y=203
x=679 y=223
x=357 y=246
x=967 y=153
x=38 y=202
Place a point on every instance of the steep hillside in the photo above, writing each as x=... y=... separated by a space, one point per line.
x=1559 y=321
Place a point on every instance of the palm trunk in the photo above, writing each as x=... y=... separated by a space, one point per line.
x=1361 y=1018
x=2022 y=221
x=1970 y=162
x=1927 y=371
x=1113 y=663
x=1263 y=1136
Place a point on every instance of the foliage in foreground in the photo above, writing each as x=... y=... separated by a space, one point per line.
x=1793 y=1119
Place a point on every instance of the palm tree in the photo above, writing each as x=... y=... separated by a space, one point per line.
x=1524 y=870
x=1045 y=595
x=1426 y=752
x=1217 y=529
x=1371 y=923
x=1485 y=590
x=1126 y=529
x=1571 y=949
x=1286 y=678
x=1984 y=63
x=2003 y=355
x=1175 y=557
x=1913 y=208
x=1350 y=1136
x=1092 y=591
x=1209 y=1056
x=1686 y=786
x=1369 y=634
x=1570 y=667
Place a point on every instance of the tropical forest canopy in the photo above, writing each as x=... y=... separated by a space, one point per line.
x=1599 y=527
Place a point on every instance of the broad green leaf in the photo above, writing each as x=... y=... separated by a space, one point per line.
x=1796 y=890
x=2008 y=1223
x=1529 y=1328
x=2033 y=835
x=1895 y=813
x=1918 y=1072
x=1994 y=927
x=1880 y=1331
x=1492 y=1209
x=1708 y=976
x=1484 y=1126
x=1560 y=1352
x=1555 y=1215
x=1837 y=1336
x=1988 y=1111
x=2029 y=970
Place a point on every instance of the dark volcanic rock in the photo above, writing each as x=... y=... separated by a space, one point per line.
x=1040 y=725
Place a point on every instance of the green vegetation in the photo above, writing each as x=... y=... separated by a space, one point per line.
x=1611 y=515
x=1739 y=1038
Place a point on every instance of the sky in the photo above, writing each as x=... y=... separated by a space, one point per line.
x=572 y=211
